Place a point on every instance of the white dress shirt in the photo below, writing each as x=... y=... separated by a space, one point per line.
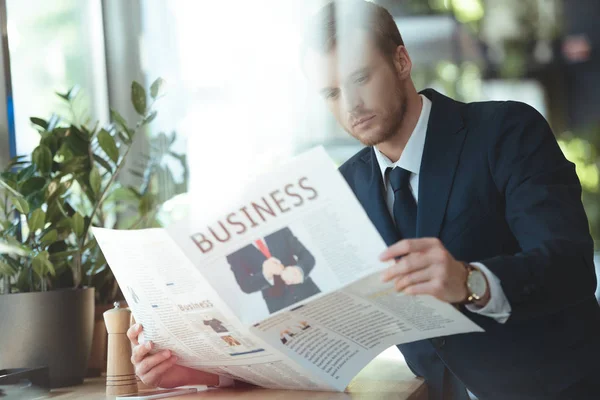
x=498 y=307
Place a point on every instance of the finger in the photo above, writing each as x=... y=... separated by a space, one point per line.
x=133 y=332
x=412 y=279
x=152 y=361
x=406 y=246
x=154 y=376
x=407 y=264
x=429 y=287
x=140 y=351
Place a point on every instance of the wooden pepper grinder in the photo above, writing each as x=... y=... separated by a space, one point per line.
x=120 y=374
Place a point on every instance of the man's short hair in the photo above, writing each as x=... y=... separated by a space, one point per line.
x=332 y=22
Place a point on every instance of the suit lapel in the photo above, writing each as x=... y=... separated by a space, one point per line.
x=443 y=145
x=256 y=251
x=370 y=193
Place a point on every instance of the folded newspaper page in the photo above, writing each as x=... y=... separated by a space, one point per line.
x=283 y=292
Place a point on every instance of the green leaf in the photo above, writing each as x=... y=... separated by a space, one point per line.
x=13 y=247
x=77 y=144
x=39 y=122
x=157 y=88
x=50 y=267
x=9 y=188
x=62 y=254
x=138 y=98
x=82 y=133
x=6 y=269
x=17 y=160
x=95 y=180
x=126 y=139
x=33 y=184
x=107 y=142
x=26 y=173
x=36 y=199
x=49 y=238
x=103 y=163
x=20 y=204
x=63 y=211
x=38 y=264
x=75 y=165
x=122 y=194
x=36 y=220
x=120 y=121
x=41 y=264
x=150 y=117
x=146 y=204
x=136 y=173
x=77 y=223
x=60 y=132
x=51 y=141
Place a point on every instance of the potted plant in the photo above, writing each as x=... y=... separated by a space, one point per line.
x=47 y=205
x=163 y=175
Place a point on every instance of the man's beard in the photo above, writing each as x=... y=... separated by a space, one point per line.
x=387 y=132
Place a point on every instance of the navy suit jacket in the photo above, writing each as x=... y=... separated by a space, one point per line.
x=247 y=262
x=495 y=188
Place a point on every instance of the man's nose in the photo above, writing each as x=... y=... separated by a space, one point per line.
x=352 y=100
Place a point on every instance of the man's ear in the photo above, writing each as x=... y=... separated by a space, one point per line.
x=402 y=62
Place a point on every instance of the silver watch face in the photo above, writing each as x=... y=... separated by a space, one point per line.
x=476 y=283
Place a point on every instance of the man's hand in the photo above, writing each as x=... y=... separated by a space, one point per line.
x=292 y=275
x=272 y=267
x=160 y=370
x=426 y=267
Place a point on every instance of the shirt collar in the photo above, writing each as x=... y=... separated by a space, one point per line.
x=410 y=159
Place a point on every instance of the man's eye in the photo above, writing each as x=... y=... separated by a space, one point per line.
x=332 y=94
x=362 y=79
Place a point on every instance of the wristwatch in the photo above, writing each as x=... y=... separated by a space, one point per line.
x=476 y=284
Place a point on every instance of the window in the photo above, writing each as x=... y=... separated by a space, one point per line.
x=54 y=45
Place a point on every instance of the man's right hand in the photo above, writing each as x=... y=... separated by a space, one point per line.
x=272 y=267
x=160 y=370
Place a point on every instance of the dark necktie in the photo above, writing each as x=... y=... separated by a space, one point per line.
x=405 y=206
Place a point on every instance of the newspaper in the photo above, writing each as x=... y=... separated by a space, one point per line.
x=283 y=292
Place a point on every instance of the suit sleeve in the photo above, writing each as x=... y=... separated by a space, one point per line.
x=249 y=279
x=305 y=260
x=543 y=209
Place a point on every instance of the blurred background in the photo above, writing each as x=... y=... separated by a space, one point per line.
x=234 y=83
x=232 y=101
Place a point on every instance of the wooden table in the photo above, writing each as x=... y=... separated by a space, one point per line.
x=386 y=377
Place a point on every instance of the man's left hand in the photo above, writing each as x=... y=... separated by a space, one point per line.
x=426 y=267
x=292 y=275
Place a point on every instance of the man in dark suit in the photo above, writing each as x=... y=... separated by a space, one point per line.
x=480 y=209
x=215 y=324
x=278 y=265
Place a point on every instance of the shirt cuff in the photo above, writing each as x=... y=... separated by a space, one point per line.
x=225 y=381
x=271 y=281
x=498 y=308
